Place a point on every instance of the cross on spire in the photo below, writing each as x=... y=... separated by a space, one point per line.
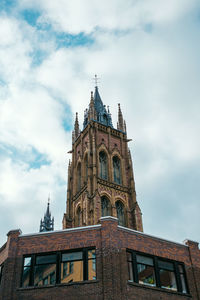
x=96 y=79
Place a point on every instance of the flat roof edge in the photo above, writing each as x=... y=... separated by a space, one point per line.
x=83 y=228
x=151 y=236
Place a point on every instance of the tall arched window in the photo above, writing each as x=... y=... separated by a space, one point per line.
x=78 y=216
x=79 y=177
x=120 y=213
x=86 y=168
x=103 y=165
x=105 y=206
x=117 y=170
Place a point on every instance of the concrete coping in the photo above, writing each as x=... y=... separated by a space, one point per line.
x=83 y=228
x=151 y=236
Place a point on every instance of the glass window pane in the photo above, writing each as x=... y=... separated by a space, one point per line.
x=72 y=256
x=46 y=259
x=146 y=275
x=184 y=288
x=129 y=256
x=166 y=265
x=42 y=274
x=53 y=278
x=180 y=267
x=144 y=260
x=72 y=275
x=92 y=269
x=130 y=271
x=27 y=261
x=91 y=253
x=26 y=276
x=168 y=280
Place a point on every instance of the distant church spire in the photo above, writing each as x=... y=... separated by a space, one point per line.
x=48 y=223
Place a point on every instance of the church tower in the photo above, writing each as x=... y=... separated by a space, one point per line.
x=100 y=175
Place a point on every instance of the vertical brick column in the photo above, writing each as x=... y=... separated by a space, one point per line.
x=194 y=253
x=9 y=271
x=111 y=268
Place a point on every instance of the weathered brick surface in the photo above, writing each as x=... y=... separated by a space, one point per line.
x=111 y=242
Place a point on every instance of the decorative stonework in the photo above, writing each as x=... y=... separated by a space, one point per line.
x=88 y=182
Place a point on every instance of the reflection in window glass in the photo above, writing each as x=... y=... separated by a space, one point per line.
x=167 y=275
x=130 y=266
x=91 y=264
x=168 y=280
x=46 y=259
x=145 y=268
x=26 y=272
x=141 y=269
x=72 y=256
x=49 y=269
x=53 y=278
x=42 y=274
x=74 y=274
x=183 y=281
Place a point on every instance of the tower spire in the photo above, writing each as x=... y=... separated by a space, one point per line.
x=76 y=130
x=92 y=112
x=48 y=223
x=120 y=124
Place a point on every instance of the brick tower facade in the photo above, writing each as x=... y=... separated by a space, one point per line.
x=100 y=175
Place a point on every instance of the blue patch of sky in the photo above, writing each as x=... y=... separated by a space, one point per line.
x=70 y=40
x=46 y=31
x=148 y=27
x=67 y=119
x=30 y=16
x=38 y=56
x=7 y=5
x=32 y=157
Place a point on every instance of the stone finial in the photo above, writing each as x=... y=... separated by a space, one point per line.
x=120 y=119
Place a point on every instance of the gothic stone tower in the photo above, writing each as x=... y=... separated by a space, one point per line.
x=100 y=175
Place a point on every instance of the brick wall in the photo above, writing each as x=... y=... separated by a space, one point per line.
x=111 y=242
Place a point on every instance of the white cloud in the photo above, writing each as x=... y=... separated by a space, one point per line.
x=153 y=72
x=85 y=16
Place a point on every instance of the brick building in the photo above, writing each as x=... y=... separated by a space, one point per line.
x=101 y=252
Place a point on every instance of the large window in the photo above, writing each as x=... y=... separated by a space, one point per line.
x=105 y=206
x=79 y=177
x=103 y=165
x=59 y=267
x=120 y=213
x=86 y=168
x=154 y=271
x=117 y=170
x=78 y=217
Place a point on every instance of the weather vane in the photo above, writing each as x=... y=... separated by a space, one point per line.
x=96 y=80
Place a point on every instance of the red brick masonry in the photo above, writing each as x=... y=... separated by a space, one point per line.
x=111 y=242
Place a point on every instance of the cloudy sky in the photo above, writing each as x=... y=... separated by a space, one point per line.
x=146 y=53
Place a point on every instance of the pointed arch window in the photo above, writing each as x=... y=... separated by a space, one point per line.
x=103 y=164
x=86 y=167
x=78 y=212
x=117 y=170
x=120 y=213
x=79 y=177
x=105 y=206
